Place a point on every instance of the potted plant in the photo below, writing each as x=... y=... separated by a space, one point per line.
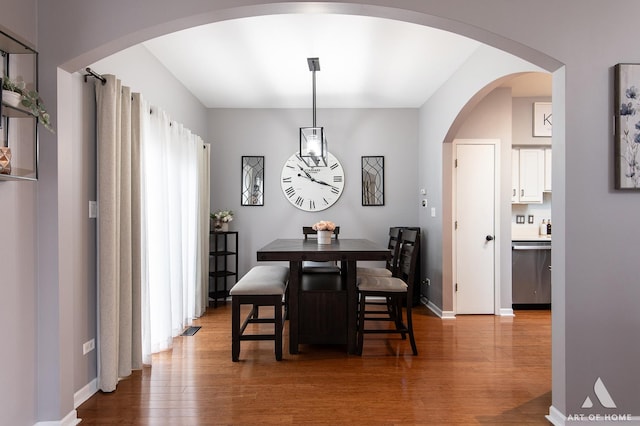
x=29 y=100
x=325 y=228
x=221 y=219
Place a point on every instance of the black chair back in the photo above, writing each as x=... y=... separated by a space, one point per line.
x=408 y=259
x=308 y=230
x=395 y=239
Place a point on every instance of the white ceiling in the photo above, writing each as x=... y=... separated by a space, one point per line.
x=261 y=62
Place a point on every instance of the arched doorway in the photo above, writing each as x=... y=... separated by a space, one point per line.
x=101 y=44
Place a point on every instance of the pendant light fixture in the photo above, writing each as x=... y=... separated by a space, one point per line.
x=313 y=141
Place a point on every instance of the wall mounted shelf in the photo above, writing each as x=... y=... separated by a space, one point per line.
x=19 y=128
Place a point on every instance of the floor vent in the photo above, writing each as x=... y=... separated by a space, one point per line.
x=190 y=331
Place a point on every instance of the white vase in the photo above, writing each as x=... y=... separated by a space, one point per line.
x=11 y=98
x=219 y=226
x=324 y=237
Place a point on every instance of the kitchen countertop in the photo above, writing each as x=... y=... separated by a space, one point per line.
x=527 y=232
x=531 y=238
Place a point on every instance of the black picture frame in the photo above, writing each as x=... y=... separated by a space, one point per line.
x=252 y=180
x=627 y=126
x=372 y=180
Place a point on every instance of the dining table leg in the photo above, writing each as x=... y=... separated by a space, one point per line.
x=352 y=307
x=295 y=271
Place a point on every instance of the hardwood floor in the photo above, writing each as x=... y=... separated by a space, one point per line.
x=482 y=369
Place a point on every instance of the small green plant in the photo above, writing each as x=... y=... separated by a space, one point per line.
x=30 y=100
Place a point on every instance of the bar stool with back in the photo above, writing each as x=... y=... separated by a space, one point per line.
x=397 y=290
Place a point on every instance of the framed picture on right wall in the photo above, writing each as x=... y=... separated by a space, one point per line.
x=627 y=126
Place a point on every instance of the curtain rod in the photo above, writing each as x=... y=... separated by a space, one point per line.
x=94 y=74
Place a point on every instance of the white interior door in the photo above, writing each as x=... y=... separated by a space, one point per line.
x=475 y=228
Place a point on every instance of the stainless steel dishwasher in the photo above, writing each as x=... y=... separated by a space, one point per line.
x=531 y=274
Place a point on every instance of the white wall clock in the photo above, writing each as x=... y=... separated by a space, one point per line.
x=312 y=188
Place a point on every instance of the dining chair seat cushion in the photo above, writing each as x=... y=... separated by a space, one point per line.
x=262 y=279
x=376 y=272
x=383 y=284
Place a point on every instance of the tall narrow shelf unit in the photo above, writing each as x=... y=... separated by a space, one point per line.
x=18 y=127
x=222 y=258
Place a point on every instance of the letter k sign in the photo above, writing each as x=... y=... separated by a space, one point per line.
x=602 y=394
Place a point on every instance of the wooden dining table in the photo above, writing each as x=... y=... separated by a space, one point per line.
x=346 y=251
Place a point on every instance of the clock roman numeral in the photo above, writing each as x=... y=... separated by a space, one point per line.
x=287 y=179
x=312 y=204
x=290 y=191
x=335 y=190
x=337 y=178
x=299 y=201
x=333 y=166
x=325 y=200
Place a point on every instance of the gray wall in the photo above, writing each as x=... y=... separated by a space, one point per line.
x=595 y=317
x=82 y=244
x=18 y=281
x=351 y=133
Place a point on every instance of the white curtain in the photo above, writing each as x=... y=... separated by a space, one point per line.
x=203 y=233
x=172 y=228
x=153 y=186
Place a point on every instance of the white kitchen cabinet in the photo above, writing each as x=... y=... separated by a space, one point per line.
x=515 y=175
x=527 y=168
x=547 y=169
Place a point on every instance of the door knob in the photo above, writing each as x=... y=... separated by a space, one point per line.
x=489 y=238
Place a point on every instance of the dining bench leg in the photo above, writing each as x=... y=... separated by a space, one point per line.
x=261 y=286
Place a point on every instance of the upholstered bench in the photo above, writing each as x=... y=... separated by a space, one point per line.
x=261 y=286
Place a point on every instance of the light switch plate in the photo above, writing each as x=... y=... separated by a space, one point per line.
x=520 y=218
x=88 y=346
x=93 y=209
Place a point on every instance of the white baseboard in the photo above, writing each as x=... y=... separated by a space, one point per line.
x=436 y=310
x=555 y=417
x=448 y=315
x=85 y=393
x=70 y=419
x=506 y=312
x=79 y=397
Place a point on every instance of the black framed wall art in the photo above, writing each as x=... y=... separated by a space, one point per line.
x=373 y=181
x=252 y=181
